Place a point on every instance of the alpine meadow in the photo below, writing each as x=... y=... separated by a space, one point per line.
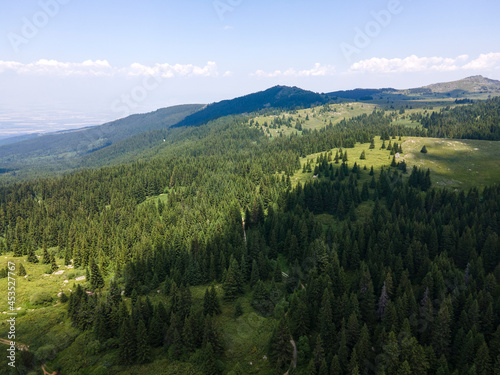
x=331 y=230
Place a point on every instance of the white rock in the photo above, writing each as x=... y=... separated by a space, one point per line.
x=80 y=278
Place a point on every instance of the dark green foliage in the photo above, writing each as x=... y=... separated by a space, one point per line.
x=32 y=257
x=46 y=255
x=128 y=342
x=375 y=267
x=424 y=150
x=21 y=271
x=53 y=264
x=280 y=346
x=210 y=361
x=211 y=304
x=238 y=309
x=475 y=121
x=143 y=351
x=96 y=280
x=233 y=285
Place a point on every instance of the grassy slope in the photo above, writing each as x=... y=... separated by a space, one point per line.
x=458 y=164
x=46 y=329
x=317 y=119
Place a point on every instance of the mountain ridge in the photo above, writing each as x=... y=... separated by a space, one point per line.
x=278 y=96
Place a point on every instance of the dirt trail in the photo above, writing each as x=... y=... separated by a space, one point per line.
x=294 y=353
x=45 y=372
x=18 y=345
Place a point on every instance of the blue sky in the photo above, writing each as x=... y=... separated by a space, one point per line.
x=68 y=63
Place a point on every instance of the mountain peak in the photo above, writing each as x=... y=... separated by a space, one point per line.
x=278 y=96
x=472 y=84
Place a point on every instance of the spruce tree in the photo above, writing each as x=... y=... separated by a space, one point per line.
x=233 y=285
x=53 y=264
x=281 y=348
x=32 y=258
x=22 y=270
x=96 y=280
x=128 y=342
x=46 y=256
x=143 y=349
x=210 y=361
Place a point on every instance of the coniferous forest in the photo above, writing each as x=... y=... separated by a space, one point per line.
x=357 y=270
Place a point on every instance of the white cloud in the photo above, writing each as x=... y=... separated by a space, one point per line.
x=484 y=61
x=169 y=71
x=103 y=68
x=409 y=64
x=316 y=71
x=53 y=67
x=414 y=63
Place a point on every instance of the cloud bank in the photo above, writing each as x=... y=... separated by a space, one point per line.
x=103 y=68
x=414 y=63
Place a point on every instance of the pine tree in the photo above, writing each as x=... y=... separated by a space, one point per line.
x=210 y=361
x=96 y=280
x=318 y=353
x=335 y=368
x=483 y=360
x=281 y=348
x=441 y=332
x=53 y=264
x=424 y=150
x=128 y=346
x=156 y=330
x=391 y=350
x=46 y=256
x=32 y=258
x=233 y=285
x=254 y=276
x=143 y=350
x=22 y=270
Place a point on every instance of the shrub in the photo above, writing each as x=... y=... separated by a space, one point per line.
x=41 y=298
x=46 y=352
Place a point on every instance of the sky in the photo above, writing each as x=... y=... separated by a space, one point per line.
x=74 y=63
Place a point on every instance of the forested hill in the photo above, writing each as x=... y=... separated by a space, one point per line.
x=84 y=141
x=276 y=97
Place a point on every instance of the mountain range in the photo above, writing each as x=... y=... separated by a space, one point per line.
x=77 y=144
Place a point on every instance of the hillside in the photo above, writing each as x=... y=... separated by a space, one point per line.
x=474 y=84
x=144 y=266
x=74 y=143
x=470 y=87
x=283 y=97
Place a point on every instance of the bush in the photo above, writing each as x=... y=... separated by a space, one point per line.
x=41 y=298
x=46 y=352
x=424 y=150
